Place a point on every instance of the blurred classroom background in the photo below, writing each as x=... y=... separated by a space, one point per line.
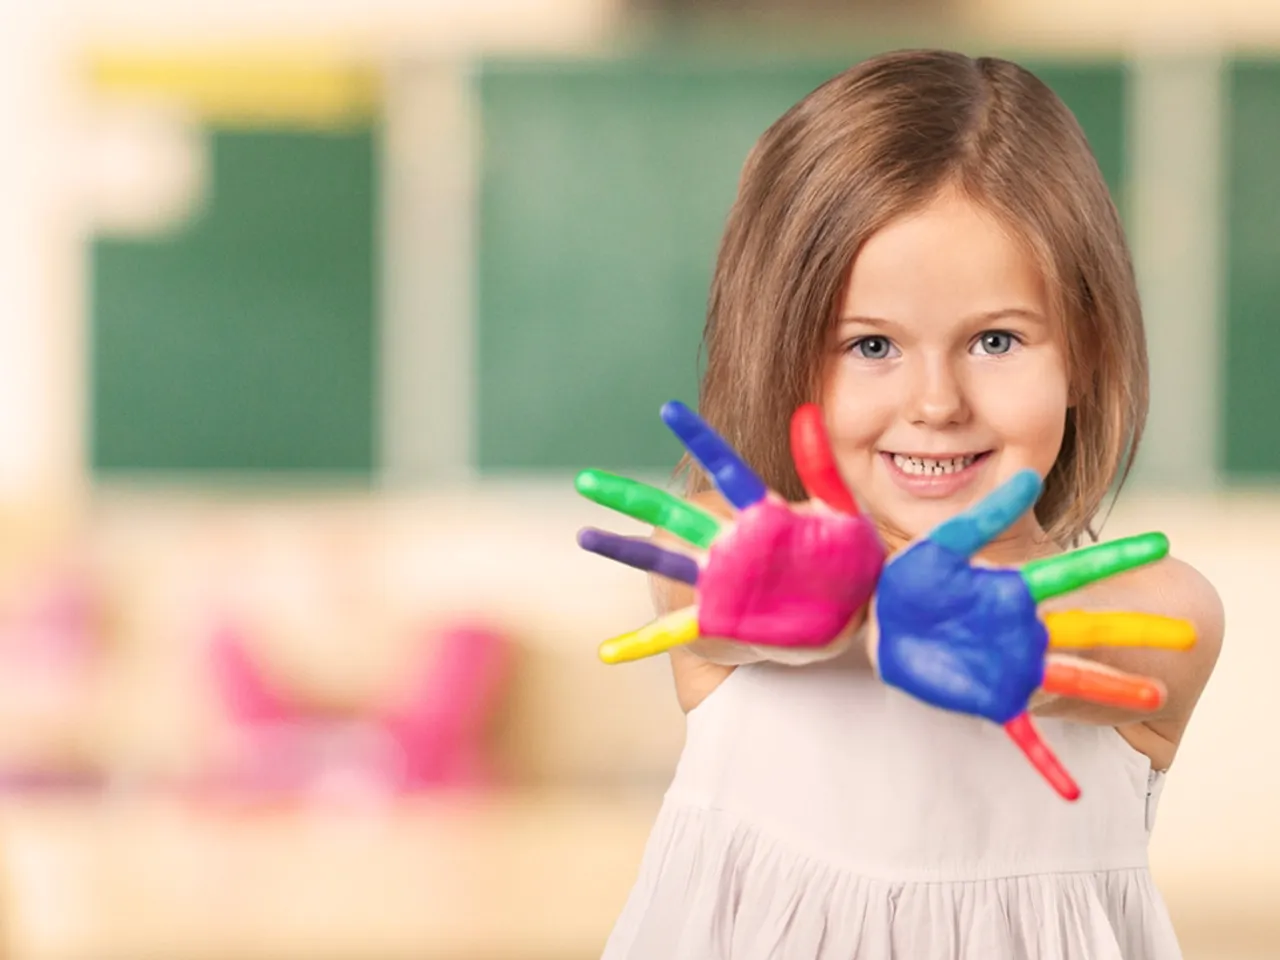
x=310 y=309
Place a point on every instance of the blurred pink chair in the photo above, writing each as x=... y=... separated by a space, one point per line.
x=49 y=653
x=431 y=736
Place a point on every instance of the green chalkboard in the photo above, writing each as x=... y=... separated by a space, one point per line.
x=604 y=188
x=1097 y=93
x=245 y=342
x=1251 y=385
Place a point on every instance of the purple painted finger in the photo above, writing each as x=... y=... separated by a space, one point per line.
x=641 y=554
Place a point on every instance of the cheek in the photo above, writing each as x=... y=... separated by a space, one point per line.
x=1028 y=410
x=858 y=411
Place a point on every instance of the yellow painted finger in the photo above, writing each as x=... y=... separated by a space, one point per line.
x=1077 y=628
x=666 y=633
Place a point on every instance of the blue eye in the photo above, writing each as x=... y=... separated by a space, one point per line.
x=994 y=343
x=872 y=348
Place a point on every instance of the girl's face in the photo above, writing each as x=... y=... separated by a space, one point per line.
x=948 y=373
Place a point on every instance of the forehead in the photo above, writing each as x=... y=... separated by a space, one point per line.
x=946 y=260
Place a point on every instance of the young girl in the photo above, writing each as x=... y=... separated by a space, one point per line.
x=925 y=247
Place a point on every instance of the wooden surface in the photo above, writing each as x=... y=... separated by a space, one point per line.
x=523 y=877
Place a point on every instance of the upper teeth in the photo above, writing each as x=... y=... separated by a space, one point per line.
x=926 y=466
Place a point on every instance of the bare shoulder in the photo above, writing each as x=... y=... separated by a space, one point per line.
x=1170 y=587
x=1198 y=597
x=1190 y=595
x=1175 y=588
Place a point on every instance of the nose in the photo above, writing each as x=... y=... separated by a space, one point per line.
x=938 y=399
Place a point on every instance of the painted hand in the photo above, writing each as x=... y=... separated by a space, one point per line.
x=970 y=639
x=779 y=575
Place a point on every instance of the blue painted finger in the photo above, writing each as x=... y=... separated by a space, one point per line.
x=732 y=477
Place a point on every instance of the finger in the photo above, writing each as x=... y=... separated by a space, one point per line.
x=649 y=504
x=1112 y=688
x=640 y=553
x=1058 y=575
x=972 y=530
x=811 y=452
x=732 y=477
x=1023 y=732
x=667 y=633
x=1078 y=629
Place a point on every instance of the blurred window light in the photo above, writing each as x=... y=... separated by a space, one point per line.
x=143 y=169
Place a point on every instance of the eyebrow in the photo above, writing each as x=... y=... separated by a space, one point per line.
x=989 y=316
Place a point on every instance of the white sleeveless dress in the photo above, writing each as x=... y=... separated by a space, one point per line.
x=817 y=814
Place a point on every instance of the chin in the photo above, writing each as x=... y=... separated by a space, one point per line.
x=914 y=518
x=918 y=523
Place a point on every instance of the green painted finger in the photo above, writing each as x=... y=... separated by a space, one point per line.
x=1079 y=568
x=650 y=505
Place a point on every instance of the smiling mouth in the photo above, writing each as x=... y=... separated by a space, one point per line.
x=915 y=466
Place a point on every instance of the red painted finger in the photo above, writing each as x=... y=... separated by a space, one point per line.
x=1023 y=732
x=811 y=452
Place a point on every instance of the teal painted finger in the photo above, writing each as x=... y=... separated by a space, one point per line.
x=649 y=505
x=1079 y=568
x=972 y=530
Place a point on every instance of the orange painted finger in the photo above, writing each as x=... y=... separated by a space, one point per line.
x=1084 y=681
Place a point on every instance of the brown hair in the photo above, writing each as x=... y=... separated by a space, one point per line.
x=873 y=143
